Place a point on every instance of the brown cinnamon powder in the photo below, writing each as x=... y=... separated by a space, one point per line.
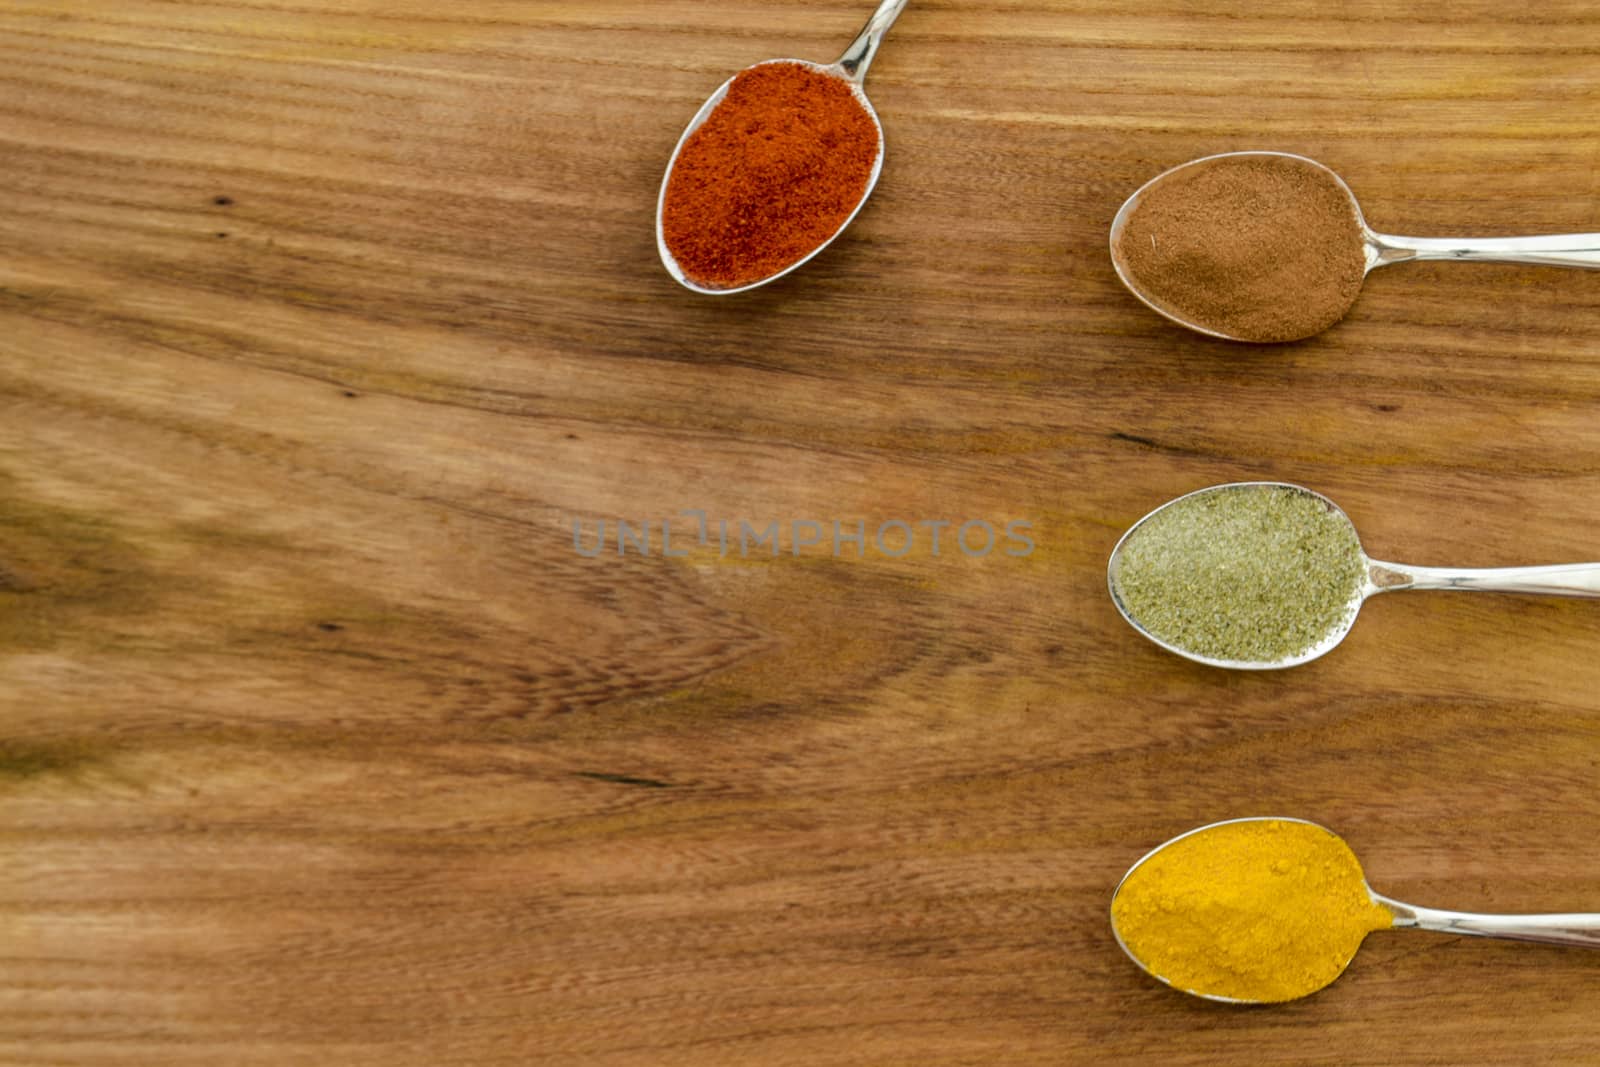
x=1257 y=247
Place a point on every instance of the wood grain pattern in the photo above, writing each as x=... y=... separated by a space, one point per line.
x=321 y=323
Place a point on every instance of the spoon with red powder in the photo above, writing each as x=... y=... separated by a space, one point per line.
x=772 y=168
x=1268 y=246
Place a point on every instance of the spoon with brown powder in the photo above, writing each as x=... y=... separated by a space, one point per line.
x=1264 y=575
x=1269 y=246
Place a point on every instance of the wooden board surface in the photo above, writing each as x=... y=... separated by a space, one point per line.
x=322 y=323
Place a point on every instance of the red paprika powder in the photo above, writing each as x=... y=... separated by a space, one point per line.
x=772 y=173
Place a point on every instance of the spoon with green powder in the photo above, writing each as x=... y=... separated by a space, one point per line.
x=1264 y=910
x=1263 y=575
x=1269 y=246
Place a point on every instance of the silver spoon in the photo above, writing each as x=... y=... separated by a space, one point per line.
x=1567 y=579
x=851 y=68
x=1577 y=929
x=1381 y=249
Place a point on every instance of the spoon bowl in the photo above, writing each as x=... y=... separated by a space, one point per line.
x=1575 y=580
x=1376 y=249
x=1207 y=934
x=851 y=69
x=1329 y=639
x=1354 y=910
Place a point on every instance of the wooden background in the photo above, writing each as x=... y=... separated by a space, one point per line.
x=320 y=324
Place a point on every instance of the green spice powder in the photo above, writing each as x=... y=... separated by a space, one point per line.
x=1246 y=573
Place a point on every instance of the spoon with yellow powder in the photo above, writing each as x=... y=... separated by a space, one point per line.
x=1257 y=911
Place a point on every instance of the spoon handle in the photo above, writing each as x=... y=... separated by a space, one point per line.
x=858 y=57
x=1562 y=579
x=1553 y=250
x=1571 y=929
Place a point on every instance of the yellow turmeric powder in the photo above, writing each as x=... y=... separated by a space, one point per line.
x=1253 y=910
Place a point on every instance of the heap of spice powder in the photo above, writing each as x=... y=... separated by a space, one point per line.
x=1246 y=573
x=1255 y=910
x=1255 y=247
x=774 y=171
